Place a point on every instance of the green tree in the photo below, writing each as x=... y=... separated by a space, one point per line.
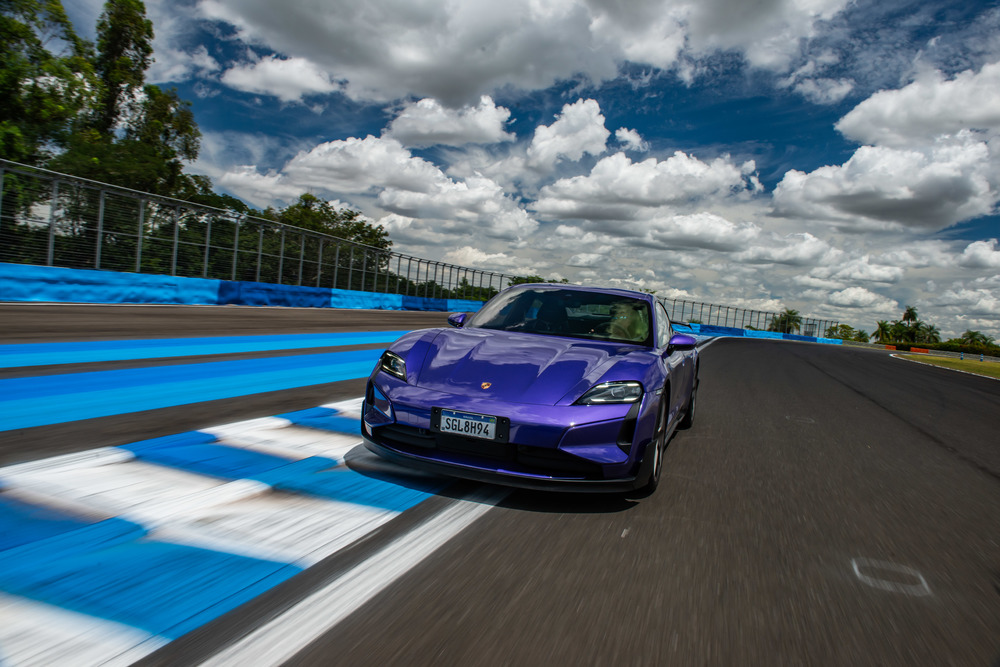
x=927 y=333
x=134 y=135
x=883 y=332
x=910 y=315
x=124 y=53
x=841 y=331
x=972 y=337
x=524 y=280
x=312 y=213
x=364 y=267
x=42 y=92
x=788 y=321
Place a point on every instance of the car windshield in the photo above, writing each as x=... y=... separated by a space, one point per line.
x=574 y=313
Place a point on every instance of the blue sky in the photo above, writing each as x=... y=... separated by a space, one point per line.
x=840 y=158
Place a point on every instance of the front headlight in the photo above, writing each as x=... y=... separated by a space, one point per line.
x=612 y=392
x=393 y=364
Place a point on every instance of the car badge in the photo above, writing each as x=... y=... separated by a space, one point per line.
x=486 y=385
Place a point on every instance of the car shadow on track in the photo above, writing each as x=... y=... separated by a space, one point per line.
x=363 y=462
x=558 y=502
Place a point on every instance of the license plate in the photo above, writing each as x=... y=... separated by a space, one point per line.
x=468 y=424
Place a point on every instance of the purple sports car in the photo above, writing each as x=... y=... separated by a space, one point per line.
x=548 y=387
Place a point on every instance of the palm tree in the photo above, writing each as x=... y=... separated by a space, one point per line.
x=928 y=333
x=976 y=338
x=898 y=331
x=883 y=332
x=786 y=322
x=910 y=314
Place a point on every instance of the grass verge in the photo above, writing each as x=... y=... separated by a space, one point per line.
x=988 y=368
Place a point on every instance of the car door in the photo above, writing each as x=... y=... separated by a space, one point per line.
x=677 y=364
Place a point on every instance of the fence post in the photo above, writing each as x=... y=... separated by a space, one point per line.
x=100 y=231
x=208 y=245
x=302 y=256
x=364 y=270
x=260 y=249
x=281 y=258
x=336 y=265
x=142 y=228
x=177 y=238
x=319 y=261
x=350 y=269
x=236 y=246
x=51 y=254
x=399 y=266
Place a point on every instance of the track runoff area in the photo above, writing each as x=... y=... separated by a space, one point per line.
x=235 y=534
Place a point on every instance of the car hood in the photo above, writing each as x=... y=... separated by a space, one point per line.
x=516 y=367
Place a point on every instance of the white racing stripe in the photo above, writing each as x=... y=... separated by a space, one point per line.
x=34 y=633
x=349 y=408
x=283 y=637
x=286 y=440
x=293 y=529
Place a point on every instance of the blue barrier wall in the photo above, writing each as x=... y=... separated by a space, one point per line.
x=712 y=330
x=25 y=282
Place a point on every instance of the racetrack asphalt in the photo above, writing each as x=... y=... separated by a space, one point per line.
x=830 y=506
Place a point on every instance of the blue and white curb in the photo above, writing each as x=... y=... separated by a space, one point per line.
x=107 y=555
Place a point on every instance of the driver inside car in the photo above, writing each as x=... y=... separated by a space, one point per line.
x=628 y=322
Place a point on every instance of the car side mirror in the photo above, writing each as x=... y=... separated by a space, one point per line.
x=458 y=319
x=681 y=342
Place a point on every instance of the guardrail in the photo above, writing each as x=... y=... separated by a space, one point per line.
x=58 y=220
x=737 y=318
x=52 y=219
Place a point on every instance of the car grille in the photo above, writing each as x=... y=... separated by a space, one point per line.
x=534 y=460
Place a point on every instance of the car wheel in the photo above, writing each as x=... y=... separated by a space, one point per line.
x=688 y=419
x=658 y=444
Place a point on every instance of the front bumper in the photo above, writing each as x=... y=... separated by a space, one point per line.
x=568 y=448
x=503 y=477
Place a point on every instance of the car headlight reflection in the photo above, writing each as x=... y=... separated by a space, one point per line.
x=612 y=392
x=393 y=364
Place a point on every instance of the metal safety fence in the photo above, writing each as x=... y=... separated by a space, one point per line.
x=742 y=318
x=53 y=219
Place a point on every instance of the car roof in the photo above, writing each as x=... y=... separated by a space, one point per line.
x=586 y=288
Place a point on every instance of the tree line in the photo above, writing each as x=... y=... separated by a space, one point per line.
x=85 y=109
x=909 y=331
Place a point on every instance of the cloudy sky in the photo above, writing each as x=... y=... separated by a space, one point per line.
x=838 y=157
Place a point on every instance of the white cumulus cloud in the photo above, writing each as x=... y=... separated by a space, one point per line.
x=859 y=297
x=981 y=255
x=457 y=51
x=700 y=230
x=429 y=123
x=632 y=139
x=927 y=108
x=288 y=79
x=930 y=189
x=578 y=129
x=616 y=186
x=800 y=249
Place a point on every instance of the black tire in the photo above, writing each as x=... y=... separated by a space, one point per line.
x=688 y=419
x=658 y=444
